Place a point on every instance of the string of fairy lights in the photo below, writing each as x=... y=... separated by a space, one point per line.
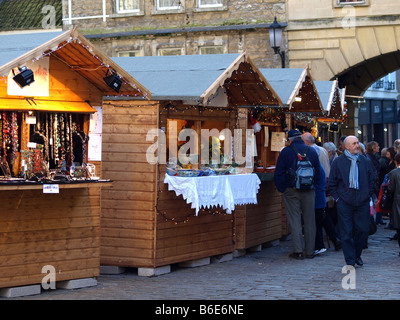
x=167 y=110
x=88 y=48
x=230 y=85
x=170 y=109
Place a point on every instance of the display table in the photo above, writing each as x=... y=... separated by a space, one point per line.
x=29 y=185
x=225 y=191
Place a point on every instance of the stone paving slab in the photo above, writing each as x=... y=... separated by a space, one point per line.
x=265 y=275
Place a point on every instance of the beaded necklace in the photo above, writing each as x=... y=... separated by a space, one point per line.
x=14 y=136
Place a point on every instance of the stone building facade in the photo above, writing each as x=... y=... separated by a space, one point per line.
x=165 y=27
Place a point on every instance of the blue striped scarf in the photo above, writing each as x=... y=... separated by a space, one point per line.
x=353 y=174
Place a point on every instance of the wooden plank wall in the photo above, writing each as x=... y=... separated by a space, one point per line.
x=260 y=223
x=128 y=215
x=36 y=229
x=240 y=211
x=264 y=219
x=198 y=236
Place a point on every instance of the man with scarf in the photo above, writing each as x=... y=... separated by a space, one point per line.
x=351 y=183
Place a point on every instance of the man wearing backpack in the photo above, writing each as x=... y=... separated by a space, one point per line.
x=351 y=184
x=298 y=200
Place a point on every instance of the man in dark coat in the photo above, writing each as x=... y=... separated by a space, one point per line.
x=297 y=202
x=351 y=183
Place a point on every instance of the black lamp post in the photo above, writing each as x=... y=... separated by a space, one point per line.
x=275 y=37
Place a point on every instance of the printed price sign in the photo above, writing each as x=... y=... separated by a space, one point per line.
x=51 y=188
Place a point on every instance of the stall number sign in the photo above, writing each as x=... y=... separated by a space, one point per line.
x=51 y=188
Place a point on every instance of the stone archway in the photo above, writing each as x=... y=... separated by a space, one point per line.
x=358 y=78
x=357 y=56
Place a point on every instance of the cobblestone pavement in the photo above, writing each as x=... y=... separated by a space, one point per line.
x=267 y=274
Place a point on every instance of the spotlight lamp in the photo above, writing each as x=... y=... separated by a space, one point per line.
x=24 y=77
x=113 y=81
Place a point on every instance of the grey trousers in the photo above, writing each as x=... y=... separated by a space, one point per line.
x=297 y=204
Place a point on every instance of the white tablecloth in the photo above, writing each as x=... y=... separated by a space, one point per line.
x=225 y=191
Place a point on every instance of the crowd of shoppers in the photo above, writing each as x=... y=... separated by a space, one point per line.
x=347 y=182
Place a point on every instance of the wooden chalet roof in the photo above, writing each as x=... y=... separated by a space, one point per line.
x=296 y=89
x=332 y=99
x=199 y=78
x=73 y=49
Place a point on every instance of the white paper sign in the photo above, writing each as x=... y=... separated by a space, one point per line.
x=277 y=141
x=94 y=147
x=51 y=188
x=95 y=133
x=96 y=121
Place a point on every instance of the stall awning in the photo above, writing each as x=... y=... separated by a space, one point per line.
x=45 y=105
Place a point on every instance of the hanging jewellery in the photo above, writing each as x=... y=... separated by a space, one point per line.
x=55 y=138
x=50 y=135
x=84 y=140
x=71 y=141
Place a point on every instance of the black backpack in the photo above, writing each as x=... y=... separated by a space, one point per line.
x=304 y=174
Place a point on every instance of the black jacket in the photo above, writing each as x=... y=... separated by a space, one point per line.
x=286 y=164
x=338 y=183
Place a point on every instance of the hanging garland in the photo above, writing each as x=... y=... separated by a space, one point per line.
x=270 y=115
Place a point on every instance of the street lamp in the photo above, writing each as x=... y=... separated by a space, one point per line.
x=275 y=38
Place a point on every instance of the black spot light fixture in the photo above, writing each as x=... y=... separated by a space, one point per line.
x=24 y=78
x=113 y=81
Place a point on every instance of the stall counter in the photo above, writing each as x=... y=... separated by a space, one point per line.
x=39 y=230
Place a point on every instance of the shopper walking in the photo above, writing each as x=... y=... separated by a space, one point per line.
x=320 y=214
x=390 y=153
x=341 y=147
x=298 y=203
x=351 y=183
x=372 y=153
x=323 y=156
x=331 y=149
x=394 y=186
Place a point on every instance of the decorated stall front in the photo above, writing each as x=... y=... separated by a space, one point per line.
x=299 y=94
x=50 y=184
x=334 y=110
x=301 y=103
x=178 y=193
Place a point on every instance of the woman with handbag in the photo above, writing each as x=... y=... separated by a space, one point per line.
x=394 y=186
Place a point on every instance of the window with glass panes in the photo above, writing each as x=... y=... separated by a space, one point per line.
x=211 y=50
x=170 y=52
x=168 y=4
x=351 y=1
x=210 y=3
x=127 y=6
x=131 y=53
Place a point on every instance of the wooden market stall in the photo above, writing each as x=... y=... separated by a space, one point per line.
x=301 y=103
x=145 y=224
x=49 y=194
x=299 y=94
x=334 y=110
